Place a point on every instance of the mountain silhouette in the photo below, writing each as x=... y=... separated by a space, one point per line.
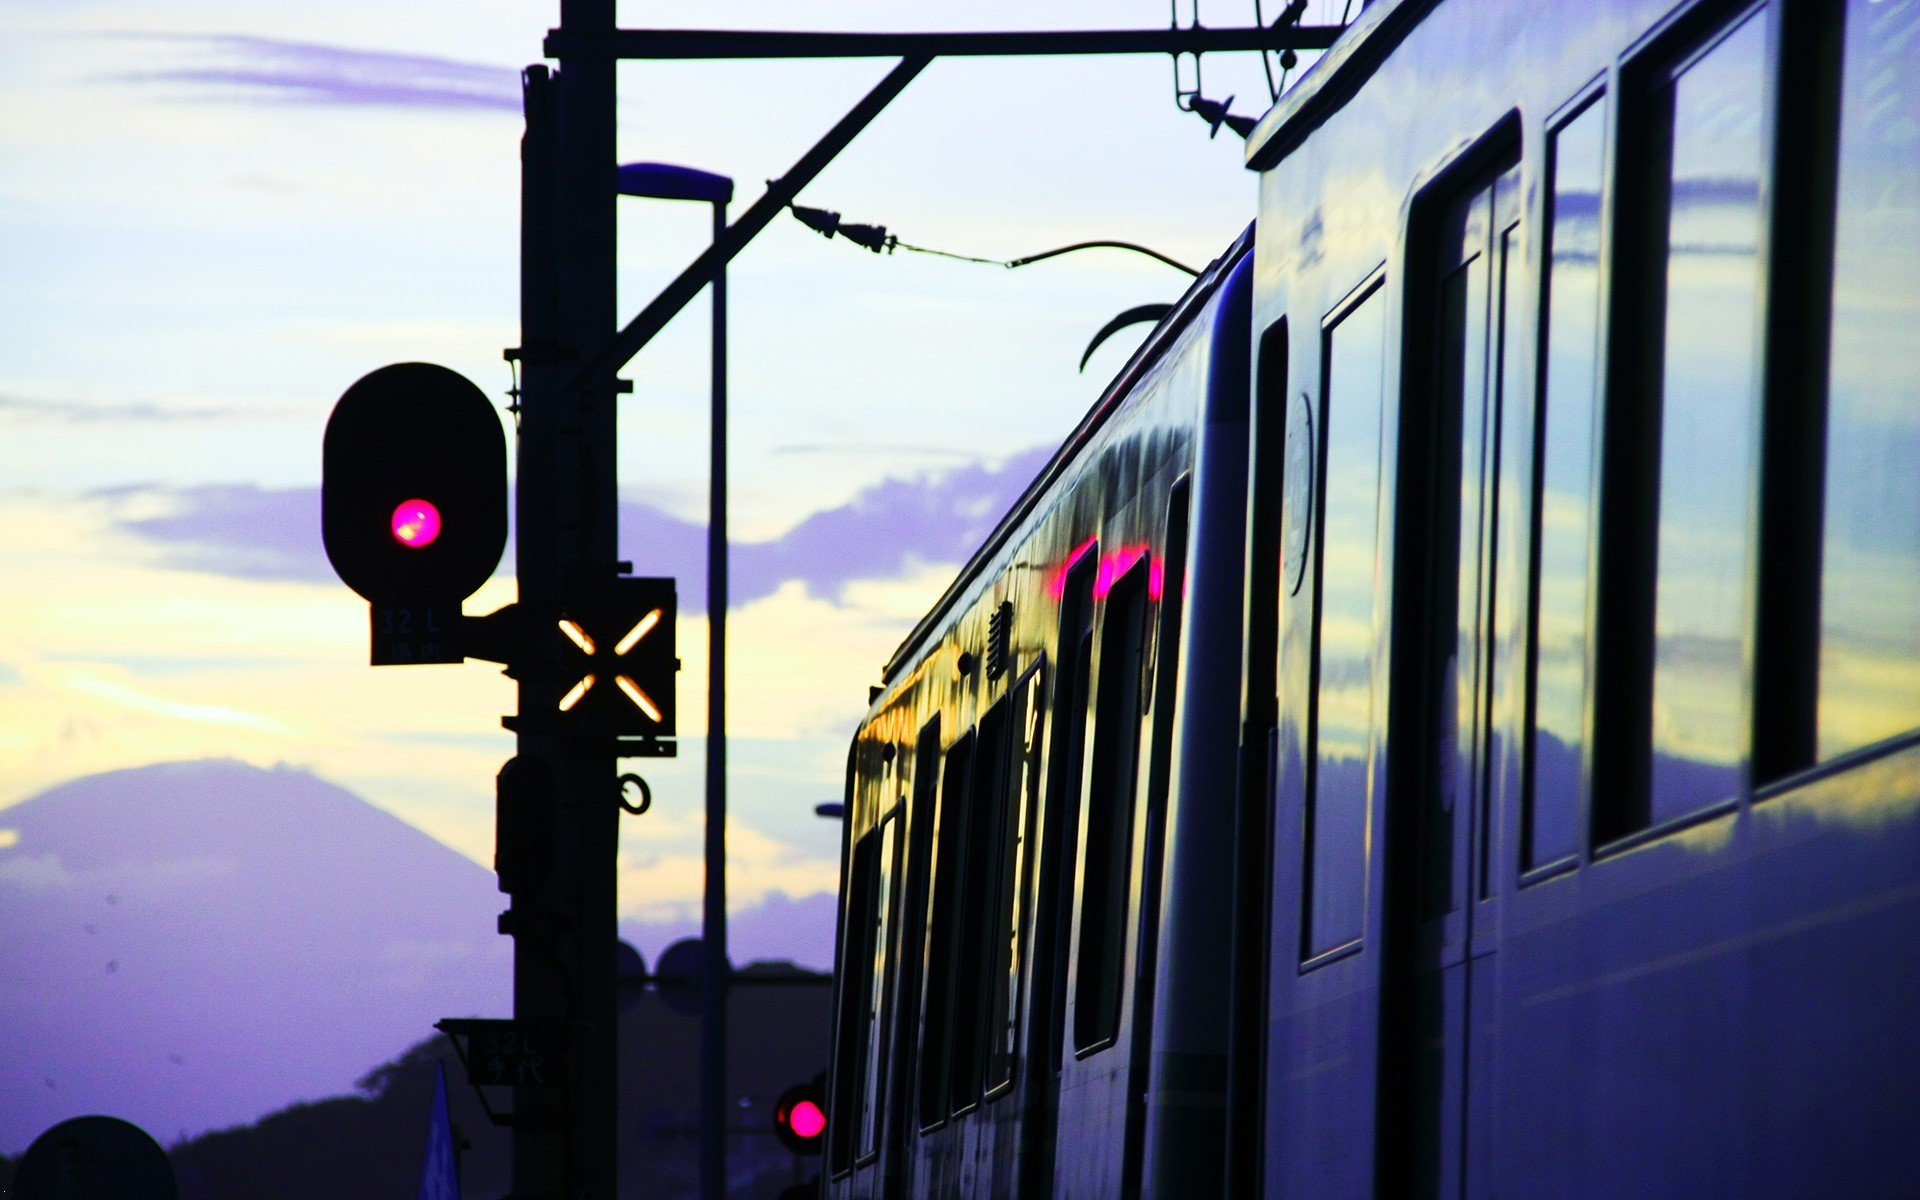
x=372 y=1142
x=190 y=945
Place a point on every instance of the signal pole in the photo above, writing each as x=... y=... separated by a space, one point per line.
x=564 y=929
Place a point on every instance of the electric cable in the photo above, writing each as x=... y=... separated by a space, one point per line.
x=876 y=239
x=1266 y=67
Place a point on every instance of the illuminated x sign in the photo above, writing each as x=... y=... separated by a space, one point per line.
x=626 y=661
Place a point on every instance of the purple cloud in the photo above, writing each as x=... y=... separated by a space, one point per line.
x=940 y=517
x=247 y=532
x=237 y=530
x=245 y=68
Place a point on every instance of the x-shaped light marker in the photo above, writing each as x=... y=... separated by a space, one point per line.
x=625 y=683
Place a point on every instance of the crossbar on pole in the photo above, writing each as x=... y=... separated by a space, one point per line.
x=660 y=44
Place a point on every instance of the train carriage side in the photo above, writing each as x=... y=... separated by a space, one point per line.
x=1586 y=571
x=1003 y=902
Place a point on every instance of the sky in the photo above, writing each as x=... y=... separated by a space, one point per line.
x=216 y=215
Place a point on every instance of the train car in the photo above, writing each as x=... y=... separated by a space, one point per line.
x=1011 y=792
x=1518 y=793
x=1593 y=649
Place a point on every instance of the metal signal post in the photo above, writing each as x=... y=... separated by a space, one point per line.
x=563 y=925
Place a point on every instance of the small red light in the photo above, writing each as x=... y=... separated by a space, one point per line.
x=416 y=523
x=806 y=1119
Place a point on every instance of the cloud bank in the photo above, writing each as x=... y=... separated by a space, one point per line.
x=885 y=531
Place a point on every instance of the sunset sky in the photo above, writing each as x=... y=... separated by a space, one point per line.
x=216 y=215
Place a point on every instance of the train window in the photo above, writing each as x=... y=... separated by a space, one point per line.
x=1683 y=418
x=1341 y=720
x=1709 y=414
x=1010 y=824
x=973 y=909
x=1564 y=517
x=914 y=910
x=863 y=984
x=1869 y=686
x=873 y=1069
x=1109 y=812
x=936 y=1026
x=856 y=955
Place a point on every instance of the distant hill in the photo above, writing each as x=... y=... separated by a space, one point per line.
x=191 y=945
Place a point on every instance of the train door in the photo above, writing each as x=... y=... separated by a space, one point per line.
x=1439 y=835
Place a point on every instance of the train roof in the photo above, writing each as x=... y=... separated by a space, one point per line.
x=1333 y=79
x=1150 y=350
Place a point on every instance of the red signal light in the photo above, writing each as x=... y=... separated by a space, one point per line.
x=807 y=1120
x=800 y=1118
x=416 y=523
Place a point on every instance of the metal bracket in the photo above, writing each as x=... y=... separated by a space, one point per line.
x=493 y=637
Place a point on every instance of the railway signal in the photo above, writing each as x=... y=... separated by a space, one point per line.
x=800 y=1117
x=413 y=504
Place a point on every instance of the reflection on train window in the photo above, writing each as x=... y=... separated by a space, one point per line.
x=1347 y=584
x=937 y=1010
x=972 y=910
x=1013 y=805
x=1564 y=517
x=1870 y=592
x=1109 y=812
x=1709 y=413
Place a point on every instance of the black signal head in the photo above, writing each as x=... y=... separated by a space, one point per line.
x=414 y=486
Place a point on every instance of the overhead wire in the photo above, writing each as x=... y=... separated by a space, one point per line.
x=894 y=243
x=1266 y=67
x=877 y=239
